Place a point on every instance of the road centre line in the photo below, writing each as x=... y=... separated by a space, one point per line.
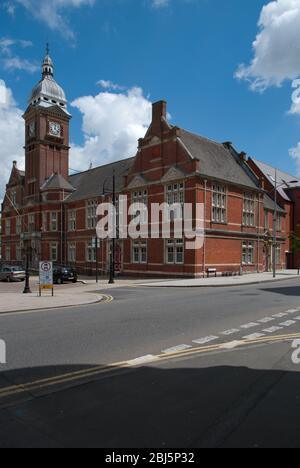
x=266 y=320
x=65 y=378
x=250 y=325
x=205 y=340
x=288 y=323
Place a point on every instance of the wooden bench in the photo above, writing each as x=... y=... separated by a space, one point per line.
x=211 y=271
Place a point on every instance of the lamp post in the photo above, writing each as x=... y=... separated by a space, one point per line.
x=113 y=240
x=275 y=227
x=27 y=248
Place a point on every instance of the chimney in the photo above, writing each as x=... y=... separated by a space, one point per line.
x=243 y=156
x=159 y=111
x=15 y=163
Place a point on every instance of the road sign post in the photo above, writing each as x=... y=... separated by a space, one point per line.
x=46 y=277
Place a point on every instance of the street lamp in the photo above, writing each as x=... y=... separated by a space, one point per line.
x=113 y=242
x=27 y=248
x=275 y=219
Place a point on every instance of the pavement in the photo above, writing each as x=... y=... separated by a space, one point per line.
x=13 y=299
x=156 y=368
x=87 y=292
x=253 y=278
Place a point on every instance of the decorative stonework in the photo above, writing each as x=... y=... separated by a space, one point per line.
x=173 y=174
x=137 y=182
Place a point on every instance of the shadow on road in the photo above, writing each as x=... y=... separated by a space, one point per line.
x=156 y=408
x=287 y=291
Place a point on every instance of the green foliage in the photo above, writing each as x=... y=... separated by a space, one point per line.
x=295 y=238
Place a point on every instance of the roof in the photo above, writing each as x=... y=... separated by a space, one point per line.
x=57 y=182
x=269 y=204
x=90 y=184
x=47 y=91
x=217 y=161
x=282 y=177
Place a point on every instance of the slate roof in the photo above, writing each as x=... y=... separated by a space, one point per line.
x=269 y=204
x=282 y=177
x=217 y=161
x=89 y=184
x=57 y=182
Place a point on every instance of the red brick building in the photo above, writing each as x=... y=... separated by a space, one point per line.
x=55 y=213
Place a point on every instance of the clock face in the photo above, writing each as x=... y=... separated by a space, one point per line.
x=55 y=129
x=32 y=129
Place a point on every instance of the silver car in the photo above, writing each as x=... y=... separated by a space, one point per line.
x=12 y=273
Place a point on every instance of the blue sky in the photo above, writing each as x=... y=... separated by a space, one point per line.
x=184 y=51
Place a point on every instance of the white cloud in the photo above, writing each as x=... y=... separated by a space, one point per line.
x=112 y=125
x=11 y=135
x=10 y=60
x=276 y=47
x=9 y=7
x=52 y=13
x=277 y=54
x=16 y=63
x=160 y=3
x=109 y=85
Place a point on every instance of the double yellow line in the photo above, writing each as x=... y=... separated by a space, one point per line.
x=106 y=298
x=76 y=376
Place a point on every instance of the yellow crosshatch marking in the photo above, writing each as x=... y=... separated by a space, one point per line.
x=99 y=370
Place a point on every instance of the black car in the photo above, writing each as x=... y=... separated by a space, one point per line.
x=62 y=274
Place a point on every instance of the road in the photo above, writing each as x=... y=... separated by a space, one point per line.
x=191 y=368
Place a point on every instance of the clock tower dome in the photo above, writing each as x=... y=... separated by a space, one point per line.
x=46 y=132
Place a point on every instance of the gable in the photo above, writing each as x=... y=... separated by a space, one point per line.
x=15 y=178
x=173 y=174
x=137 y=182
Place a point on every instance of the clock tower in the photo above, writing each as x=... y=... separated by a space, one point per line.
x=46 y=133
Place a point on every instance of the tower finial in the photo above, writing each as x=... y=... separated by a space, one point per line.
x=47 y=66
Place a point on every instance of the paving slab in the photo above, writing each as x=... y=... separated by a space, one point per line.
x=243 y=280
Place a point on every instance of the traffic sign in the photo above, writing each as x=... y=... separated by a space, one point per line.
x=46 y=276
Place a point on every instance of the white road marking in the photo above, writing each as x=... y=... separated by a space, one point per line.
x=266 y=320
x=280 y=315
x=272 y=329
x=232 y=344
x=205 y=340
x=254 y=336
x=292 y=311
x=288 y=323
x=176 y=348
x=250 y=325
x=297 y=318
x=230 y=332
x=142 y=360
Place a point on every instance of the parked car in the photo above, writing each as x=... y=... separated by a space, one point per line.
x=12 y=273
x=62 y=274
